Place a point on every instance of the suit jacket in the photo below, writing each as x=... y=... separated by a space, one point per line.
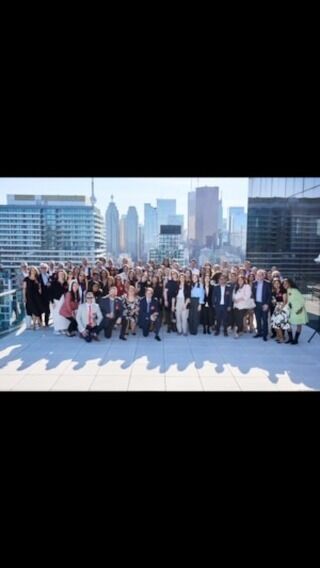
x=216 y=296
x=82 y=316
x=266 y=292
x=143 y=310
x=105 y=306
x=45 y=288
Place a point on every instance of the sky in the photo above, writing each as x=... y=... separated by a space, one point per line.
x=130 y=191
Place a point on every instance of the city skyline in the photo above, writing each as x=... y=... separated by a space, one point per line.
x=130 y=191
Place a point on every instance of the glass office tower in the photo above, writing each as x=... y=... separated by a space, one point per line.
x=284 y=226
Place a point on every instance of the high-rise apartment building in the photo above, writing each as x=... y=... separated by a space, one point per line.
x=34 y=228
x=191 y=215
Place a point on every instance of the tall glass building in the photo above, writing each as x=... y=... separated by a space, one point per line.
x=165 y=207
x=35 y=228
x=284 y=226
x=150 y=227
x=112 y=229
x=132 y=223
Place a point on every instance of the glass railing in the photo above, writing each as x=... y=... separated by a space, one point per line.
x=12 y=310
x=311 y=292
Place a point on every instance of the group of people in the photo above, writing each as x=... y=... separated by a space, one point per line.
x=87 y=299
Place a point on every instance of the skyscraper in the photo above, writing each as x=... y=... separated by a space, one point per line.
x=132 y=233
x=238 y=227
x=122 y=231
x=207 y=216
x=191 y=215
x=150 y=227
x=176 y=220
x=140 y=241
x=284 y=226
x=34 y=228
x=112 y=229
x=165 y=207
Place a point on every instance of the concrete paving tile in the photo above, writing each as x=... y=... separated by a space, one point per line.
x=110 y=383
x=36 y=383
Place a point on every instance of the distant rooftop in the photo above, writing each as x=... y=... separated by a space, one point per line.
x=17 y=199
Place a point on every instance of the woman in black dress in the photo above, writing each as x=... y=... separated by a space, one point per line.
x=207 y=309
x=32 y=297
x=157 y=287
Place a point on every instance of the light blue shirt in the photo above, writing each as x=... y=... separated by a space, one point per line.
x=198 y=292
x=259 y=291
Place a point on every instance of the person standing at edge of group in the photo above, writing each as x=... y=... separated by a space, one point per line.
x=297 y=312
x=45 y=282
x=196 y=301
x=222 y=302
x=149 y=313
x=112 y=311
x=207 y=315
x=180 y=304
x=22 y=274
x=88 y=318
x=261 y=293
x=70 y=306
x=32 y=297
x=242 y=301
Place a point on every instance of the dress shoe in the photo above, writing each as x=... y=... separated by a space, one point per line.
x=257 y=335
x=217 y=332
x=123 y=338
x=157 y=338
x=265 y=339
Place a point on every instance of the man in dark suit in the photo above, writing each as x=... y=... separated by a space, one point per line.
x=222 y=302
x=112 y=310
x=149 y=313
x=45 y=281
x=262 y=295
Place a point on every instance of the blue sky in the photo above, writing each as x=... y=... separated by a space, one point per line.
x=130 y=191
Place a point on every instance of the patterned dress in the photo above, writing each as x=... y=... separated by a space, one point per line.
x=280 y=316
x=130 y=308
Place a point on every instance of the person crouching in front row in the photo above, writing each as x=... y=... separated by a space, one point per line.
x=148 y=314
x=88 y=318
x=112 y=311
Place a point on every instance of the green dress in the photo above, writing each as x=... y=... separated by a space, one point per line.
x=296 y=300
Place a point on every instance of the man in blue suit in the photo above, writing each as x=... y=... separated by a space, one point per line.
x=112 y=311
x=262 y=295
x=222 y=302
x=148 y=313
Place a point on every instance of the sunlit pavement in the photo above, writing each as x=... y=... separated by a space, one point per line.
x=41 y=361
